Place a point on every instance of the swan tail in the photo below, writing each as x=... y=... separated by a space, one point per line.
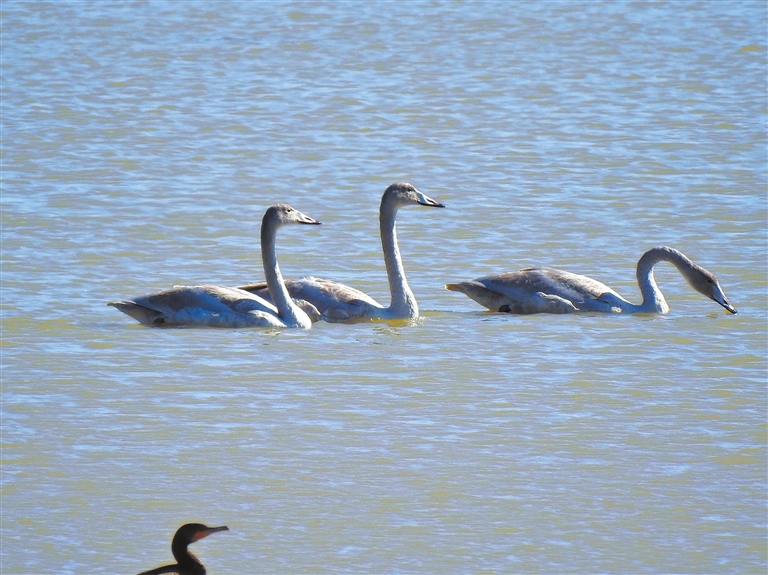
x=142 y=314
x=257 y=288
x=476 y=291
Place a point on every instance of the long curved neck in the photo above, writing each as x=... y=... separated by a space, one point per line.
x=290 y=314
x=403 y=302
x=188 y=562
x=653 y=299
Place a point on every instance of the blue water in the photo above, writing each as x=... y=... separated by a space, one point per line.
x=142 y=143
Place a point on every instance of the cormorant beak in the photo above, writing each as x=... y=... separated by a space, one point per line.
x=205 y=533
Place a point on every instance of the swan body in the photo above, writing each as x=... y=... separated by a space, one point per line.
x=217 y=306
x=339 y=303
x=547 y=290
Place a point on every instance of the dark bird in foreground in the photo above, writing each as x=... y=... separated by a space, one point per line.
x=187 y=564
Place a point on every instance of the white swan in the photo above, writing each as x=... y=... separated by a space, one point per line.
x=338 y=303
x=547 y=290
x=215 y=306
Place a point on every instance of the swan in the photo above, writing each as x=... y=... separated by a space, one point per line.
x=339 y=303
x=547 y=290
x=216 y=306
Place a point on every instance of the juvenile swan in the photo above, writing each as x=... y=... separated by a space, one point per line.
x=338 y=303
x=215 y=306
x=547 y=290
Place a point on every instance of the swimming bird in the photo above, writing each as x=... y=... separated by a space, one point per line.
x=216 y=306
x=547 y=290
x=186 y=563
x=339 y=303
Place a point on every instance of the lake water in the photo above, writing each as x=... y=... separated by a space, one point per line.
x=142 y=142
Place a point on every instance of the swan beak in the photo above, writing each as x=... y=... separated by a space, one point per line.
x=728 y=306
x=427 y=201
x=723 y=301
x=310 y=221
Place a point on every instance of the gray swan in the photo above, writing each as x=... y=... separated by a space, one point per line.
x=339 y=303
x=216 y=306
x=547 y=290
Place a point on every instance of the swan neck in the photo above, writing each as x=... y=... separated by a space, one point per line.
x=403 y=302
x=653 y=299
x=289 y=313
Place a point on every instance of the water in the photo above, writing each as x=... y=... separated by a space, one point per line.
x=142 y=143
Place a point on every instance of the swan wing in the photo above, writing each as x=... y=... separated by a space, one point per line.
x=236 y=300
x=516 y=303
x=584 y=293
x=205 y=305
x=539 y=290
x=333 y=301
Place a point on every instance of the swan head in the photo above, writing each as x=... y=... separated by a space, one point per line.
x=281 y=214
x=402 y=194
x=706 y=283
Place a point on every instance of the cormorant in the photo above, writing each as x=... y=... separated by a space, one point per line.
x=187 y=564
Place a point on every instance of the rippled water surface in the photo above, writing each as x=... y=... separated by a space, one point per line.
x=142 y=142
